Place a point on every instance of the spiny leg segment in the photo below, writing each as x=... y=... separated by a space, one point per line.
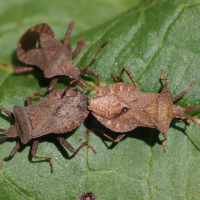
x=130 y=76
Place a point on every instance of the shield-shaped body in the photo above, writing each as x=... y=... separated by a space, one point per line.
x=52 y=115
x=121 y=107
x=38 y=46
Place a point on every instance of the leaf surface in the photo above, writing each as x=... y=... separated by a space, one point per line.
x=152 y=36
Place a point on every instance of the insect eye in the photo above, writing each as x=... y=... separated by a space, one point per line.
x=124 y=110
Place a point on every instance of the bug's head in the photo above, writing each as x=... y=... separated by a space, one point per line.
x=11 y=133
x=179 y=112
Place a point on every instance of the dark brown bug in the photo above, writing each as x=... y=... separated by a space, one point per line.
x=87 y=196
x=39 y=47
x=122 y=107
x=52 y=115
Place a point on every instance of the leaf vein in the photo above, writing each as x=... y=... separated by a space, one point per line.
x=16 y=188
x=170 y=23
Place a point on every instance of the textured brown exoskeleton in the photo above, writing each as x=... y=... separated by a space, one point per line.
x=55 y=114
x=122 y=107
x=39 y=47
x=87 y=196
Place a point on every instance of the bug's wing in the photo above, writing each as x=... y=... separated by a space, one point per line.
x=22 y=124
x=117 y=98
x=137 y=100
x=49 y=45
x=128 y=117
x=134 y=108
x=67 y=116
x=61 y=63
x=37 y=57
x=122 y=124
x=56 y=115
x=127 y=121
x=29 y=40
x=46 y=50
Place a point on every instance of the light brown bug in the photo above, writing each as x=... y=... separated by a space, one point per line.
x=122 y=107
x=38 y=47
x=57 y=114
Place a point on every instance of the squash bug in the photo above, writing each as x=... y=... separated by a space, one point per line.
x=38 y=47
x=55 y=114
x=122 y=107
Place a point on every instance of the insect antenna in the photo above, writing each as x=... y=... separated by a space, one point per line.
x=192 y=119
x=3 y=130
x=6 y=136
x=3 y=138
x=189 y=116
x=191 y=109
x=103 y=45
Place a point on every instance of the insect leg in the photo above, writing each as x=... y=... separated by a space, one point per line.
x=36 y=95
x=69 y=147
x=10 y=114
x=68 y=33
x=14 y=151
x=166 y=82
x=89 y=72
x=165 y=138
x=192 y=119
x=70 y=85
x=120 y=137
x=5 y=65
x=97 y=88
x=129 y=74
x=82 y=85
x=3 y=131
x=52 y=83
x=34 y=150
x=79 y=47
x=85 y=133
x=28 y=101
x=86 y=71
x=183 y=121
x=65 y=92
x=183 y=93
x=24 y=69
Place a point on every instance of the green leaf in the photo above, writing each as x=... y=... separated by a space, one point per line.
x=152 y=36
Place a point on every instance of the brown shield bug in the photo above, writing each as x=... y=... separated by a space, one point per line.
x=87 y=196
x=39 y=47
x=122 y=107
x=55 y=114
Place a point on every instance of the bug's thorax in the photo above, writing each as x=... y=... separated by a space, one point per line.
x=73 y=72
x=177 y=111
